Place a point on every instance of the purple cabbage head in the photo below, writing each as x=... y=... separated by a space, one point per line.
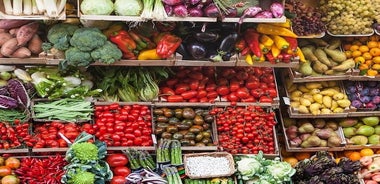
x=277 y=10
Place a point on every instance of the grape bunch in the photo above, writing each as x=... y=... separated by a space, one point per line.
x=345 y=17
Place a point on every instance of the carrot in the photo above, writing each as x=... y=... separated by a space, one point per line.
x=9 y=47
x=26 y=32
x=35 y=44
x=4 y=37
x=21 y=52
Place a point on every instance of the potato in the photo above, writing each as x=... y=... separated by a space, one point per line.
x=9 y=47
x=4 y=37
x=303 y=89
x=26 y=32
x=344 y=103
x=21 y=52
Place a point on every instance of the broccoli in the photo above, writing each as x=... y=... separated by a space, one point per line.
x=87 y=39
x=108 y=53
x=81 y=177
x=59 y=35
x=85 y=152
x=76 y=57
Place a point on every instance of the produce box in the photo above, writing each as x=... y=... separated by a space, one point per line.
x=193 y=126
x=297 y=77
x=298 y=131
x=211 y=162
x=356 y=76
x=35 y=118
x=361 y=132
x=38 y=16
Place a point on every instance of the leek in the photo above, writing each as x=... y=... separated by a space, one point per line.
x=159 y=12
x=27 y=7
x=148 y=9
x=8 y=7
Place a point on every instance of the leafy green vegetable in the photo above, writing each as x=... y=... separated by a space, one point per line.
x=59 y=35
x=108 y=53
x=97 y=7
x=76 y=57
x=128 y=7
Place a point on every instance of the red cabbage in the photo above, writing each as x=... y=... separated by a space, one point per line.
x=17 y=91
x=195 y=12
x=7 y=102
x=168 y=9
x=264 y=14
x=250 y=12
x=211 y=10
x=180 y=10
x=194 y=2
x=277 y=9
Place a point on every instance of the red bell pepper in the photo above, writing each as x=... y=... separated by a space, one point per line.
x=167 y=45
x=124 y=42
x=270 y=58
x=252 y=38
x=293 y=43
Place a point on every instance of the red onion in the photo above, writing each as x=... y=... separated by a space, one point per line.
x=180 y=10
x=277 y=9
x=173 y=2
x=195 y=12
x=193 y=2
x=232 y=12
x=211 y=10
x=168 y=9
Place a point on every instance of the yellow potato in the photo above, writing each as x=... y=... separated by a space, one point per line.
x=314 y=107
x=308 y=96
x=303 y=89
x=326 y=111
x=292 y=88
x=338 y=96
x=332 y=83
x=316 y=112
x=329 y=92
x=334 y=105
x=338 y=110
x=325 y=84
x=314 y=91
x=296 y=94
x=295 y=104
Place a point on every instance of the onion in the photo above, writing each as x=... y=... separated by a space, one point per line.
x=168 y=9
x=195 y=12
x=211 y=10
x=264 y=14
x=250 y=12
x=180 y=10
x=194 y=2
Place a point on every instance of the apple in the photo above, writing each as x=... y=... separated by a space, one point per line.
x=371 y=120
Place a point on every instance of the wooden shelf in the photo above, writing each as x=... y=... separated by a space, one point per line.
x=21 y=150
x=293 y=64
x=297 y=78
x=256 y=20
x=203 y=63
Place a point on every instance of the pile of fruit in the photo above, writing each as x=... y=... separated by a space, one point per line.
x=366 y=53
x=7 y=168
x=361 y=131
x=317 y=97
x=363 y=95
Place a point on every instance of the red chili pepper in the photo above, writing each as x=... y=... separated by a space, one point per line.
x=240 y=45
x=167 y=45
x=252 y=38
x=286 y=58
x=270 y=58
x=293 y=43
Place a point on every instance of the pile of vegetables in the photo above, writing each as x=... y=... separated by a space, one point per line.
x=257 y=169
x=19 y=38
x=370 y=168
x=190 y=126
x=52 y=83
x=228 y=180
x=41 y=170
x=322 y=168
x=123 y=125
x=140 y=160
x=85 y=161
x=14 y=134
x=34 y=7
x=169 y=151
x=64 y=110
x=363 y=95
x=118 y=163
x=81 y=46
x=129 y=85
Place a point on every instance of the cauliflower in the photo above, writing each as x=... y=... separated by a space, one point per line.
x=60 y=34
x=85 y=152
x=108 y=53
x=87 y=39
x=82 y=177
x=76 y=57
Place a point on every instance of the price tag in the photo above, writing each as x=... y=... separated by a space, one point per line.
x=154 y=139
x=286 y=100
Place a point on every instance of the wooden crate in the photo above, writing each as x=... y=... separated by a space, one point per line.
x=3 y=15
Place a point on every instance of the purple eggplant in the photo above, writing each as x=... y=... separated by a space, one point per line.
x=277 y=9
x=173 y=2
x=206 y=36
x=197 y=50
x=211 y=10
x=264 y=14
x=180 y=10
x=182 y=50
x=250 y=12
x=228 y=43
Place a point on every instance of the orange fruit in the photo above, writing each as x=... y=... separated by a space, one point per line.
x=367 y=55
x=302 y=155
x=376 y=59
x=371 y=72
x=366 y=152
x=348 y=53
x=357 y=42
x=356 y=53
x=347 y=46
x=372 y=44
x=354 y=47
x=359 y=59
x=368 y=62
x=354 y=156
x=363 y=66
x=363 y=48
x=291 y=160
x=376 y=66
x=375 y=51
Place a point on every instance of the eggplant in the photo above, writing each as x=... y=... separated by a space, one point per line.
x=197 y=50
x=228 y=43
x=206 y=36
x=182 y=50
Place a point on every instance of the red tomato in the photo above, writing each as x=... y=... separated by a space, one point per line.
x=189 y=94
x=232 y=97
x=257 y=93
x=234 y=86
x=121 y=171
x=201 y=94
x=194 y=84
x=181 y=88
x=265 y=99
x=167 y=91
x=252 y=84
x=117 y=159
x=222 y=90
x=118 y=180
x=175 y=98
x=12 y=162
x=242 y=93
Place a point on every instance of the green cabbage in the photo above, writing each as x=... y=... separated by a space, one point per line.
x=128 y=7
x=248 y=166
x=96 y=7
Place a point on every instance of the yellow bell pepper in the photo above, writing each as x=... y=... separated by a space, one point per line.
x=275 y=30
x=263 y=48
x=275 y=51
x=266 y=40
x=300 y=55
x=248 y=59
x=280 y=42
x=150 y=54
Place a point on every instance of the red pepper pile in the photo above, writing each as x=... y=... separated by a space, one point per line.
x=128 y=125
x=235 y=84
x=13 y=136
x=46 y=134
x=245 y=130
x=41 y=170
